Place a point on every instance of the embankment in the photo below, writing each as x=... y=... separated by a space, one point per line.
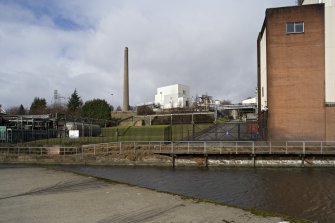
x=150 y=159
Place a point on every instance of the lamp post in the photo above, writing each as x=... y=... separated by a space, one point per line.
x=112 y=100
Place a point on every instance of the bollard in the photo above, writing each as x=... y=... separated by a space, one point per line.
x=254 y=160
x=206 y=160
x=253 y=147
x=173 y=160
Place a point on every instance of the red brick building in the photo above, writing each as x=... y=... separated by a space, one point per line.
x=296 y=80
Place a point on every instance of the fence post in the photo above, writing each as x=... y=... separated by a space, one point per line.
x=270 y=147
x=253 y=147
x=205 y=149
x=220 y=147
x=120 y=145
x=303 y=147
x=172 y=150
x=160 y=146
x=286 y=147
x=188 y=147
x=94 y=149
x=134 y=147
x=321 y=147
x=236 y=147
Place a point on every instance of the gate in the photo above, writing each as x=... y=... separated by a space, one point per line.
x=232 y=131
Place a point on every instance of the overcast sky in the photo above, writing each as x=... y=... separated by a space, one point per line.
x=209 y=45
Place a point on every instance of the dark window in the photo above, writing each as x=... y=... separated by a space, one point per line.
x=262 y=91
x=295 y=27
x=290 y=27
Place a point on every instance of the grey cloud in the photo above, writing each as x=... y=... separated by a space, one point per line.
x=210 y=46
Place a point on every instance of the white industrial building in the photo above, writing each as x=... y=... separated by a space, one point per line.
x=249 y=101
x=173 y=96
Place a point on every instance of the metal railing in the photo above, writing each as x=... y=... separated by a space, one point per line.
x=181 y=147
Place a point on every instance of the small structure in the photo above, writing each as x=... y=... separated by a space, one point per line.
x=173 y=96
x=205 y=103
x=249 y=101
x=2 y=111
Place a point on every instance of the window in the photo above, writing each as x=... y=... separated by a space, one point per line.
x=295 y=27
x=262 y=91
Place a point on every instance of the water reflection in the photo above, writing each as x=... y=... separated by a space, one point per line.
x=300 y=192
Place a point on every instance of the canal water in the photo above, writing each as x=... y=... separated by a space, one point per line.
x=300 y=192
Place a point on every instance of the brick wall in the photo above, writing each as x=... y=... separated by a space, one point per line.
x=330 y=124
x=296 y=74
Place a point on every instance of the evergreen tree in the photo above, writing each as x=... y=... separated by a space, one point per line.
x=38 y=106
x=74 y=103
x=118 y=108
x=96 y=109
x=22 y=110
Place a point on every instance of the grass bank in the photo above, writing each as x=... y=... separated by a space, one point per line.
x=131 y=133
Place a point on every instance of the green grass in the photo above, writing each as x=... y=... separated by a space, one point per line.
x=122 y=115
x=131 y=133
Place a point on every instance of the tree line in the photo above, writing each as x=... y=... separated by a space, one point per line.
x=96 y=108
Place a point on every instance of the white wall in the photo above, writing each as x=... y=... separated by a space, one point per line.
x=307 y=2
x=173 y=96
x=264 y=87
x=249 y=101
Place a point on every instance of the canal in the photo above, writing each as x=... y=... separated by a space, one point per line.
x=301 y=192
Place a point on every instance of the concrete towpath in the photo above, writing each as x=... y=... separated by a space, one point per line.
x=33 y=194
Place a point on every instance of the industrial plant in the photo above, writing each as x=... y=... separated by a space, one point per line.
x=295 y=92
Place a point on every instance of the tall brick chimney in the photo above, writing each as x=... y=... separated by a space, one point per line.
x=126 y=82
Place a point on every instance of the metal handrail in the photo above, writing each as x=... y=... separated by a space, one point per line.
x=205 y=147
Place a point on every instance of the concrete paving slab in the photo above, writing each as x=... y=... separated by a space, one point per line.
x=34 y=194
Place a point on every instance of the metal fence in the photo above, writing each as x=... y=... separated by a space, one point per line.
x=178 y=132
x=180 y=147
